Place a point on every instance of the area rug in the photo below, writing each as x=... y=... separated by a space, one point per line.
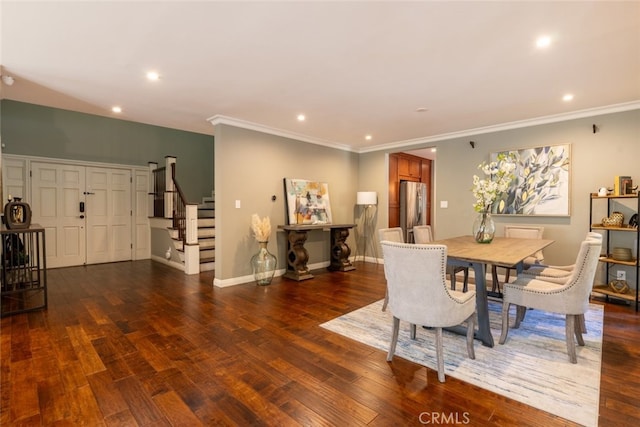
x=532 y=367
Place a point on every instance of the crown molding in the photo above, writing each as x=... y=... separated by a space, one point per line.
x=244 y=124
x=412 y=143
x=579 y=114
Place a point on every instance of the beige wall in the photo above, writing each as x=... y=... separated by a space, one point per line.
x=250 y=166
x=595 y=160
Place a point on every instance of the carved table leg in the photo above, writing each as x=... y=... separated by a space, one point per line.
x=340 y=251
x=297 y=256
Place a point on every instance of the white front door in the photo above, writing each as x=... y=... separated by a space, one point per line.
x=86 y=212
x=56 y=196
x=108 y=215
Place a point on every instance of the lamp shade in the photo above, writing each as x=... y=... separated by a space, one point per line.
x=367 y=198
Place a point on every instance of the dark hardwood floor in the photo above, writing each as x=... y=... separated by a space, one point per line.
x=139 y=343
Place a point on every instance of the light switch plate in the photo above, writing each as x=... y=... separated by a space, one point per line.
x=444 y=204
x=237 y=204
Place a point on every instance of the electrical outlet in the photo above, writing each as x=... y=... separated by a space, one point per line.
x=621 y=275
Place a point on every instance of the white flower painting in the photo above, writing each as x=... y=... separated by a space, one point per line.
x=541 y=183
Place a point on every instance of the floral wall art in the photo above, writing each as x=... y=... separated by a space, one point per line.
x=307 y=202
x=541 y=182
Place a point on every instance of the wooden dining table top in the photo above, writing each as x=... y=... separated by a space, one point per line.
x=502 y=251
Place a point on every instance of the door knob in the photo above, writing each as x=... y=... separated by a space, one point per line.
x=81 y=216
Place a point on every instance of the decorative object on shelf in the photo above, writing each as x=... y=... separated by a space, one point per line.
x=263 y=262
x=633 y=222
x=368 y=199
x=622 y=184
x=614 y=220
x=603 y=192
x=17 y=214
x=488 y=191
x=619 y=286
x=621 y=254
x=307 y=202
x=484 y=228
x=541 y=185
x=14 y=253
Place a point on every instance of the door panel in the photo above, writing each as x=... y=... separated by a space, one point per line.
x=108 y=215
x=103 y=234
x=56 y=194
x=142 y=232
x=15 y=178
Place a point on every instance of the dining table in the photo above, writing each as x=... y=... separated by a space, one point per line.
x=511 y=252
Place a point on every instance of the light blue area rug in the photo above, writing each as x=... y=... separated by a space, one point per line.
x=532 y=367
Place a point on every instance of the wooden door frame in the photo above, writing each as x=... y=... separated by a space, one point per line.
x=394 y=186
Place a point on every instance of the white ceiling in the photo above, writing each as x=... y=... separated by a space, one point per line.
x=353 y=68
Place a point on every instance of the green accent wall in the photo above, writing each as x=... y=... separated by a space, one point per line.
x=33 y=130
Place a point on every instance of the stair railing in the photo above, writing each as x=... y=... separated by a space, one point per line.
x=179 y=208
x=185 y=221
x=159 y=188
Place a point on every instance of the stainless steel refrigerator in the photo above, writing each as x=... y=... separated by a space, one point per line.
x=413 y=207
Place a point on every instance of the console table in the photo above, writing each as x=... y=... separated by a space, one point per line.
x=297 y=255
x=23 y=278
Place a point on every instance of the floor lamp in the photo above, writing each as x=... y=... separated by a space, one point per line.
x=368 y=199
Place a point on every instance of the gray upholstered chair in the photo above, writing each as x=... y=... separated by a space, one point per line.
x=422 y=234
x=418 y=294
x=393 y=234
x=519 y=232
x=570 y=298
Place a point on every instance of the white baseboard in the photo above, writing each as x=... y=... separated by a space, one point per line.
x=224 y=283
x=173 y=264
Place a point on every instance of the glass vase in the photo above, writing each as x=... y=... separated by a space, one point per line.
x=264 y=265
x=484 y=229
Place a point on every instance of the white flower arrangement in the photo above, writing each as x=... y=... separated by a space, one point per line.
x=499 y=175
x=261 y=228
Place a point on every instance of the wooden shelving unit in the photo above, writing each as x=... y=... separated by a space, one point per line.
x=605 y=290
x=607 y=259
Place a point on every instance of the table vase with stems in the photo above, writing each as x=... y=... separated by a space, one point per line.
x=484 y=229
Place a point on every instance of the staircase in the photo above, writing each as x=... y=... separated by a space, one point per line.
x=191 y=225
x=206 y=235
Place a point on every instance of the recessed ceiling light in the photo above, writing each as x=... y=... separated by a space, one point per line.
x=301 y=118
x=568 y=97
x=116 y=109
x=368 y=137
x=153 y=75
x=543 y=41
x=421 y=109
x=434 y=149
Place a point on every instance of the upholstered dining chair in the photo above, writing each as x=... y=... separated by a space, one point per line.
x=418 y=294
x=422 y=234
x=556 y=273
x=571 y=298
x=559 y=273
x=393 y=234
x=519 y=232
